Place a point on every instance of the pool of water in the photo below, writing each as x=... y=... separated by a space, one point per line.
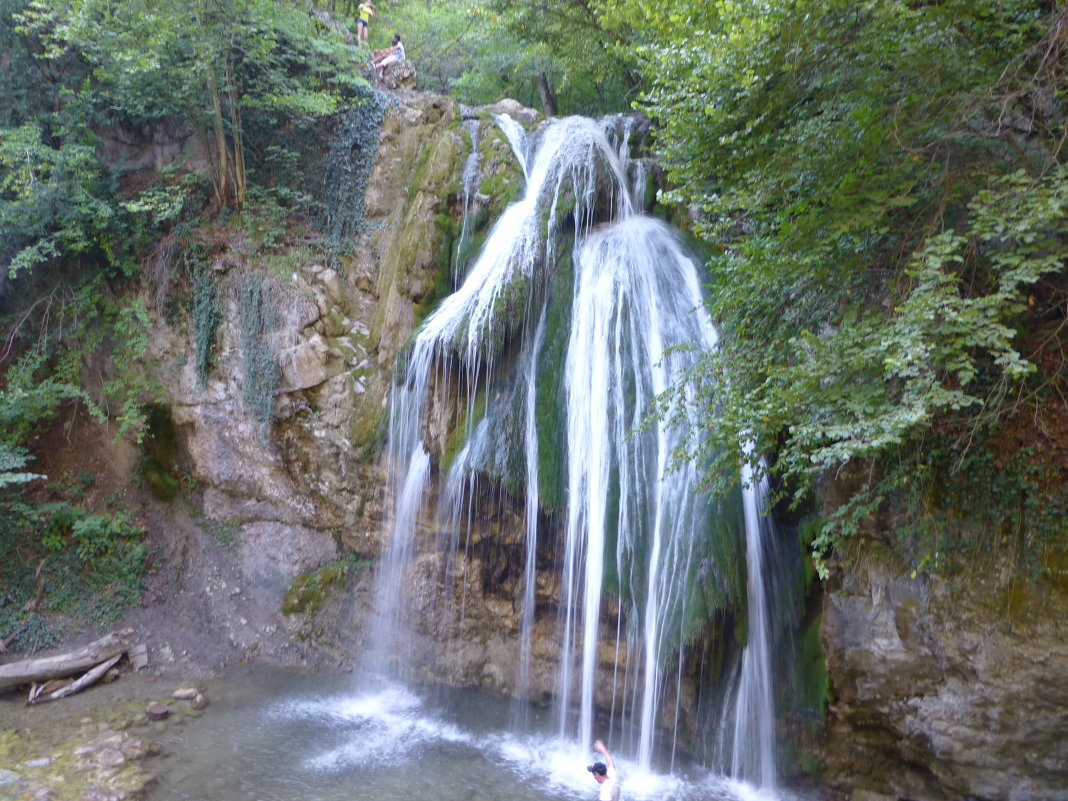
x=270 y=736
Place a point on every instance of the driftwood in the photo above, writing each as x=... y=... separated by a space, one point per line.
x=30 y=671
x=38 y=696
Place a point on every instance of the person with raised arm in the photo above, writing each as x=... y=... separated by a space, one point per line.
x=604 y=773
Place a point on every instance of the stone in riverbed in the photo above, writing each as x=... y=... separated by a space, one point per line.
x=8 y=777
x=200 y=702
x=185 y=693
x=157 y=711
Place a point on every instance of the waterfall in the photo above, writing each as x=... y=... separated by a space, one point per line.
x=634 y=331
x=634 y=529
x=470 y=185
x=754 y=710
x=530 y=440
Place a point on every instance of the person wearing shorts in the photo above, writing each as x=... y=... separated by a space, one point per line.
x=366 y=11
x=393 y=55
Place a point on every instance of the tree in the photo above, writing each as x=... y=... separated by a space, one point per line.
x=211 y=63
x=537 y=53
x=52 y=202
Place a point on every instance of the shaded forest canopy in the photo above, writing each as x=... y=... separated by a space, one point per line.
x=881 y=186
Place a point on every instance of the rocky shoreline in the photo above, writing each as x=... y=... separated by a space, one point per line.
x=101 y=745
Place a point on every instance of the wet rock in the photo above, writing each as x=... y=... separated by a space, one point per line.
x=110 y=758
x=200 y=702
x=9 y=778
x=157 y=711
x=96 y=793
x=185 y=693
x=514 y=109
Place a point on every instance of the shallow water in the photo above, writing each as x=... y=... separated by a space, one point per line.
x=270 y=736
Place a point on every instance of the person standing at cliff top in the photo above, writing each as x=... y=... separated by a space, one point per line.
x=366 y=11
x=605 y=774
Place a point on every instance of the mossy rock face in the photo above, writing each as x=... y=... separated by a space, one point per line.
x=309 y=592
x=501 y=178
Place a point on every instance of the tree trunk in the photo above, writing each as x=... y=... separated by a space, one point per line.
x=91 y=677
x=60 y=665
x=548 y=99
x=238 y=161
x=220 y=178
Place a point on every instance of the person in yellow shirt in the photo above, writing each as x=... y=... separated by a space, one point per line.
x=365 y=11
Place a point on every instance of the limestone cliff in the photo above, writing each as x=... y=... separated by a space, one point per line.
x=946 y=687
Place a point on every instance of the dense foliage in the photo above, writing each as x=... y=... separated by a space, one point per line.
x=559 y=56
x=882 y=184
x=885 y=184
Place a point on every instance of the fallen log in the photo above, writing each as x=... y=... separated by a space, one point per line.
x=57 y=666
x=80 y=684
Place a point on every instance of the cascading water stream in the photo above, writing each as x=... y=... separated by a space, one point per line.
x=634 y=525
x=752 y=742
x=530 y=441
x=634 y=332
x=470 y=185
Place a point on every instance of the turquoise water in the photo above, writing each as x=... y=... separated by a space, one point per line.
x=270 y=736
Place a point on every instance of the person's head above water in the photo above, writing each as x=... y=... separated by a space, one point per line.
x=599 y=771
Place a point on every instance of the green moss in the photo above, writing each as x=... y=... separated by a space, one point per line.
x=1055 y=564
x=441 y=287
x=550 y=404
x=436 y=167
x=309 y=592
x=369 y=428
x=471 y=246
x=468 y=421
x=811 y=679
x=502 y=180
